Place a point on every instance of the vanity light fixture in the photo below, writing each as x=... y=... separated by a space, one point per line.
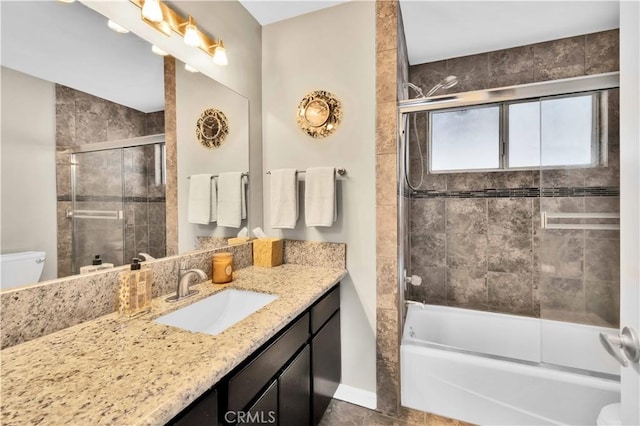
x=191 y=34
x=117 y=27
x=190 y=68
x=170 y=22
x=155 y=49
x=152 y=11
x=220 y=54
x=66 y=1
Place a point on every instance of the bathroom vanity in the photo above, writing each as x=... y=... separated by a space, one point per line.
x=284 y=358
x=289 y=380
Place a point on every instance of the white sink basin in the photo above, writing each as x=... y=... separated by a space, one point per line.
x=216 y=313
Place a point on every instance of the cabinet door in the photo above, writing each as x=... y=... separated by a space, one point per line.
x=245 y=385
x=295 y=391
x=325 y=366
x=204 y=412
x=264 y=411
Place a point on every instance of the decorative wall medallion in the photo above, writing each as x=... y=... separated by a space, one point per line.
x=319 y=114
x=212 y=128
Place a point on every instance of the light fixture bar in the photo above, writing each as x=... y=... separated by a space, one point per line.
x=176 y=23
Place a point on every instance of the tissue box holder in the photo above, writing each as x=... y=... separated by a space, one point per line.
x=238 y=240
x=267 y=252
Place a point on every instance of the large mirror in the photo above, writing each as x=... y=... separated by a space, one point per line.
x=85 y=167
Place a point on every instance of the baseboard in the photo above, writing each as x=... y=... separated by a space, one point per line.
x=356 y=396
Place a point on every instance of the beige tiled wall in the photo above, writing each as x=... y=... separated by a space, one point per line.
x=387 y=362
x=80 y=119
x=171 y=148
x=482 y=226
x=490 y=253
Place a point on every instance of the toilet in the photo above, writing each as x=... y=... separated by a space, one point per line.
x=17 y=269
x=609 y=415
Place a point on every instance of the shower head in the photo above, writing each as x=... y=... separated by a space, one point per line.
x=446 y=83
x=416 y=89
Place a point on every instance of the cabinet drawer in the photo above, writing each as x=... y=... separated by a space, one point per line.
x=246 y=384
x=322 y=310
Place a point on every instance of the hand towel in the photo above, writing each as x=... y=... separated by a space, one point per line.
x=320 y=207
x=243 y=205
x=284 y=198
x=230 y=199
x=200 y=201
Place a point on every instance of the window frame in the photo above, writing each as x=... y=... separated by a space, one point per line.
x=599 y=138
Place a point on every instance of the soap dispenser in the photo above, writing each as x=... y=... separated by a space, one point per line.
x=135 y=291
x=96 y=265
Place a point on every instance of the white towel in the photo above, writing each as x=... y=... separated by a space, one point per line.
x=243 y=206
x=284 y=198
x=320 y=207
x=230 y=199
x=200 y=199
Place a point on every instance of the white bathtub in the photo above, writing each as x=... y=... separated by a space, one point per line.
x=495 y=369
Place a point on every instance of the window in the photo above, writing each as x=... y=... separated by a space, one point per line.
x=547 y=132
x=466 y=139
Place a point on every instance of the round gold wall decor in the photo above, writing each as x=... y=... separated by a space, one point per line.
x=319 y=114
x=212 y=128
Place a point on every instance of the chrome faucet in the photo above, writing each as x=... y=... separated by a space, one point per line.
x=184 y=276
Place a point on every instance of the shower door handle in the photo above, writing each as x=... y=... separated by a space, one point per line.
x=625 y=343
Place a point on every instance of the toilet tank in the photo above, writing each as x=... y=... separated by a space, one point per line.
x=18 y=269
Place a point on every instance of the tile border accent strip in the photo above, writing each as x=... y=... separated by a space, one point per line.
x=590 y=191
x=112 y=198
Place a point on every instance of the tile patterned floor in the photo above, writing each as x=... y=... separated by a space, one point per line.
x=340 y=413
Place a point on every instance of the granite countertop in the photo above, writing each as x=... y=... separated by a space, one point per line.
x=116 y=371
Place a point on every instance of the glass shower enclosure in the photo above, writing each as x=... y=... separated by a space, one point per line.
x=118 y=201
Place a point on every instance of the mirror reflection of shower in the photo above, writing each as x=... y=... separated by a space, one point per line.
x=446 y=83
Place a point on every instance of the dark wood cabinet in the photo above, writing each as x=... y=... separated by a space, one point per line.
x=203 y=411
x=289 y=381
x=295 y=390
x=326 y=369
x=244 y=385
x=264 y=411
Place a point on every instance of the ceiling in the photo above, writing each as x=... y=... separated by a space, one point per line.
x=269 y=11
x=71 y=44
x=81 y=52
x=437 y=30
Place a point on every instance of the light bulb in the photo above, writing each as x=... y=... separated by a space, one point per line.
x=220 y=55
x=191 y=36
x=66 y=1
x=158 y=51
x=117 y=27
x=152 y=11
x=190 y=68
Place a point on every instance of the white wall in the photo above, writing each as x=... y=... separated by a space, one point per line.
x=630 y=197
x=196 y=93
x=334 y=50
x=28 y=151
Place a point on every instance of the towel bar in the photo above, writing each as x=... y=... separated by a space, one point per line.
x=341 y=171
x=545 y=216
x=215 y=176
x=95 y=214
